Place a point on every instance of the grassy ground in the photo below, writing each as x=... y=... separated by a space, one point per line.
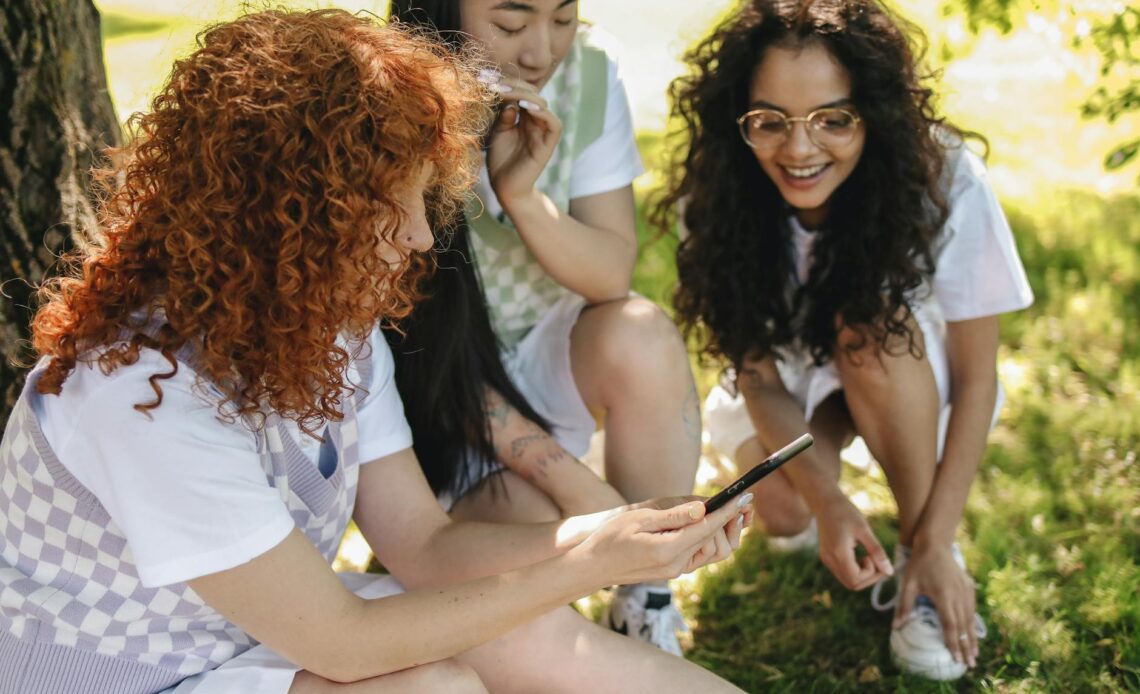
x=1051 y=529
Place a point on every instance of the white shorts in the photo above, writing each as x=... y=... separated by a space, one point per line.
x=729 y=425
x=262 y=671
x=539 y=366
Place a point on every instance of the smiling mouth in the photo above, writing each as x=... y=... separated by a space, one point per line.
x=804 y=172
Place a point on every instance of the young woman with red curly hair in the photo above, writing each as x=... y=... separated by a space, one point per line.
x=213 y=399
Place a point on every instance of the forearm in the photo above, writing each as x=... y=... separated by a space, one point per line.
x=971 y=411
x=778 y=419
x=418 y=627
x=593 y=262
x=523 y=447
x=463 y=551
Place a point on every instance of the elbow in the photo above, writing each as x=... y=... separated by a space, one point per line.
x=610 y=286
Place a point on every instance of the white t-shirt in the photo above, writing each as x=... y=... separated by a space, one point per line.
x=187 y=488
x=977 y=270
x=608 y=163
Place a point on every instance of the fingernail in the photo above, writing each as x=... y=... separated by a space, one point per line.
x=744 y=500
x=740 y=520
x=887 y=568
x=488 y=76
x=523 y=103
x=501 y=88
x=694 y=511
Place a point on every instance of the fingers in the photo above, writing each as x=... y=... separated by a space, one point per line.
x=876 y=555
x=952 y=632
x=908 y=593
x=675 y=518
x=958 y=623
x=735 y=528
x=708 y=541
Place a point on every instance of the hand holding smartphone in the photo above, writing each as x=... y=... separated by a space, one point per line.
x=759 y=472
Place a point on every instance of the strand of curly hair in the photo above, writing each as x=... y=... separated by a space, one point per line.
x=247 y=217
x=735 y=264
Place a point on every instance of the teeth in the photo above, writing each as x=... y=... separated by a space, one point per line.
x=807 y=172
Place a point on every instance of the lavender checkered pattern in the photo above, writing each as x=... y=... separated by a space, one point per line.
x=66 y=573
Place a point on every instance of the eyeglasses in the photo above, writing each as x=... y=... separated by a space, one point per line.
x=828 y=128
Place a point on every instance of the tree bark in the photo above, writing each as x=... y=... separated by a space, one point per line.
x=56 y=118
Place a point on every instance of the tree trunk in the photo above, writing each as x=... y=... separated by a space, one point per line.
x=56 y=118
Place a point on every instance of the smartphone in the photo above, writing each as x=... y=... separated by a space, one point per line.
x=759 y=472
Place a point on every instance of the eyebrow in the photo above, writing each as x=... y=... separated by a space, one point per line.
x=760 y=103
x=519 y=6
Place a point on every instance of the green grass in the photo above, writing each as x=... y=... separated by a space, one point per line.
x=1051 y=528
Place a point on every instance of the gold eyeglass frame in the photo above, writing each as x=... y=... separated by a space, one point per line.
x=789 y=120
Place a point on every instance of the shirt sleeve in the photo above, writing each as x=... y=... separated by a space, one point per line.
x=185 y=487
x=380 y=418
x=612 y=161
x=977 y=269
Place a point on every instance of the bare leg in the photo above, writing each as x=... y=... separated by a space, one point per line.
x=444 y=677
x=629 y=360
x=894 y=403
x=564 y=652
x=522 y=503
x=779 y=507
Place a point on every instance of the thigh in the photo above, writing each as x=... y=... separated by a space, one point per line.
x=505 y=497
x=564 y=652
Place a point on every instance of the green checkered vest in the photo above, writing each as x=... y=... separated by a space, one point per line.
x=517 y=289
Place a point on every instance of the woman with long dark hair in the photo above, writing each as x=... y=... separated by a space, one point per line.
x=214 y=398
x=530 y=333
x=847 y=258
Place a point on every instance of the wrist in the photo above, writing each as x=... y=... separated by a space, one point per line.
x=823 y=496
x=575 y=529
x=520 y=203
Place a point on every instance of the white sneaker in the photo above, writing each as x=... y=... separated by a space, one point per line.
x=919 y=646
x=806 y=540
x=647 y=613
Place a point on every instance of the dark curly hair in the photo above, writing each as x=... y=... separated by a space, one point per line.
x=875 y=249
x=248 y=217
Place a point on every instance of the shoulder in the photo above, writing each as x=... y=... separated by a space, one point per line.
x=963 y=170
x=593 y=39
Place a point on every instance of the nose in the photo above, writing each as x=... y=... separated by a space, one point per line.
x=537 y=52
x=799 y=142
x=416 y=232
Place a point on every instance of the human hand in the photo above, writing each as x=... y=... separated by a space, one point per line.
x=932 y=571
x=733 y=530
x=522 y=139
x=841 y=529
x=649 y=544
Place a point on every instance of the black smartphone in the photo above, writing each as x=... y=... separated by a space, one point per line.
x=759 y=472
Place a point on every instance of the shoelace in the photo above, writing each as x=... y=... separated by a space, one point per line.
x=663 y=623
x=923 y=610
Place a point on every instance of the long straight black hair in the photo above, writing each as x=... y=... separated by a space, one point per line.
x=446 y=352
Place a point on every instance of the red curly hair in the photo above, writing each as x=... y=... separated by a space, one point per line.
x=248 y=217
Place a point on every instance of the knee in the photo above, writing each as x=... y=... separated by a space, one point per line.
x=637 y=336
x=452 y=676
x=551 y=633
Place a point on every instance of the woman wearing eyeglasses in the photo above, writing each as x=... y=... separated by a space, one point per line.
x=847 y=257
